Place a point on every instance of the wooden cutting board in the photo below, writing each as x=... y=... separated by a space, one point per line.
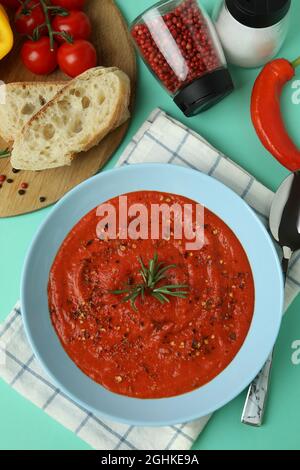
x=112 y=41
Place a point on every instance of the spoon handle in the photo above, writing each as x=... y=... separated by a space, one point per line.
x=256 y=400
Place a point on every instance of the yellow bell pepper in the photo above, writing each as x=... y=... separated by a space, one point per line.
x=6 y=34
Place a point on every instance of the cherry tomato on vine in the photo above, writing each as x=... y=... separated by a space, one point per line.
x=29 y=17
x=77 y=57
x=69 y=4
x=77 y=24
x=38 y=57
x=13 y=4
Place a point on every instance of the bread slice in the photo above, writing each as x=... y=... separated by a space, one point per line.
x=22 y=101
x=77 y=118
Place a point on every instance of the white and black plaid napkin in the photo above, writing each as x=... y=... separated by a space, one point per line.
x=160 y=139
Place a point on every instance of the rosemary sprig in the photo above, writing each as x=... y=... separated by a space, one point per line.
x=151 y=276
x=5 y=153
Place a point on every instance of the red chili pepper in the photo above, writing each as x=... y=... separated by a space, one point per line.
x=266 y=112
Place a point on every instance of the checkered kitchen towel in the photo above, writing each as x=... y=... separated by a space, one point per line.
x=160 y=139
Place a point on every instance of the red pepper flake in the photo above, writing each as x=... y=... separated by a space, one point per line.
x=232 y=336
x=24 y=185
x=2 y=178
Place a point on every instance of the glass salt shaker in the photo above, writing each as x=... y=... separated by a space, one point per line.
x=252 y=31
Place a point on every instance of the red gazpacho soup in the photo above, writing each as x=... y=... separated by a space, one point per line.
x=147 y=347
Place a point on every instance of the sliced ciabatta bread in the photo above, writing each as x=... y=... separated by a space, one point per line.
x=20 y=102
x=77 y=118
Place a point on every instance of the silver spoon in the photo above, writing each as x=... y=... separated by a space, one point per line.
x=285 y=227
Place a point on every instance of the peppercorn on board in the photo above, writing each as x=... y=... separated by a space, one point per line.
x=46 y=187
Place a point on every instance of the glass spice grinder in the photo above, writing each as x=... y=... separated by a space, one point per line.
x=179 y=44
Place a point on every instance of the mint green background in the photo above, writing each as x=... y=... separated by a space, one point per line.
x=228 y=127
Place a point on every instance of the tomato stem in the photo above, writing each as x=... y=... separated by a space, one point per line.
x=25 y=3
x=24 y=10
x=66 y=36
x=296 y=63
x=48 y=24
x=36 y=32
x=58 y=11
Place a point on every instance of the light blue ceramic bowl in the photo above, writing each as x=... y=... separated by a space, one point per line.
x=268 y=284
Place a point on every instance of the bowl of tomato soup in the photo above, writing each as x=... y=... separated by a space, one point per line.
x=149 y=328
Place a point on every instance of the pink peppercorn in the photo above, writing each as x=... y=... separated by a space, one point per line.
x=24 y=185
x=2 y=178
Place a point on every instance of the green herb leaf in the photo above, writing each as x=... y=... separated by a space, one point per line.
x=118 y=292
x=151 y=275
x=5 y=153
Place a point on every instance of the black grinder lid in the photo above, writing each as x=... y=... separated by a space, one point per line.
x=258 y=13
x=204 y=92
